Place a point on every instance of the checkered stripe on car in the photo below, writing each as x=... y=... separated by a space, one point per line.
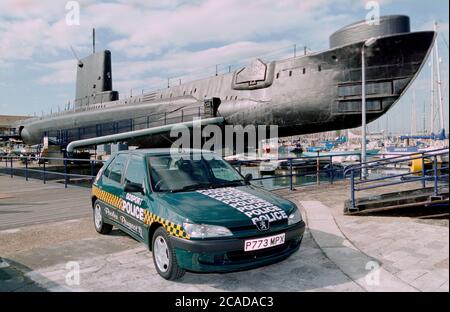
x=116 y=202
x=106 y=197
x=171 y=228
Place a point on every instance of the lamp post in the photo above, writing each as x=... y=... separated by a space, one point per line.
x=367 y=44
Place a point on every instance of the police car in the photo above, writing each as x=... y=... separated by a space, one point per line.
x=194 y=211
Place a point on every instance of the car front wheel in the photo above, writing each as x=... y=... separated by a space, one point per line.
x=164 y=256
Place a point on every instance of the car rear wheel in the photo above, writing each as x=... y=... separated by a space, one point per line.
x=100 y=226
x=164 y=256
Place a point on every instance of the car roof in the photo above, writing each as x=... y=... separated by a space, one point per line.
x=163 y=151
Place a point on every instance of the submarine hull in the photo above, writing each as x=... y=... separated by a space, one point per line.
x=306 y=94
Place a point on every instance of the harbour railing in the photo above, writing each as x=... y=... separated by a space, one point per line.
x=33 y=167
x=430 y=171
x=319 y=169
x=63 y=136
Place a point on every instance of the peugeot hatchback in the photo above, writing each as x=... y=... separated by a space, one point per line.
x=194 y=211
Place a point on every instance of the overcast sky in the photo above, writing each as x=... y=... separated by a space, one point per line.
x=153 y=40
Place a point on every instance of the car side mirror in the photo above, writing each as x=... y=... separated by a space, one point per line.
x=133 y=188
x=248 y=178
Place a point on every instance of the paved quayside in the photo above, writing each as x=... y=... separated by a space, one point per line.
x=415 y=252
x=334 y=255
x=33 y=202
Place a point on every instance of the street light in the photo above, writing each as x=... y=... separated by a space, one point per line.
x=369 y=42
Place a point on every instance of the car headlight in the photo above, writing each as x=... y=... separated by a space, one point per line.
x=295 y=217
x=206 y=231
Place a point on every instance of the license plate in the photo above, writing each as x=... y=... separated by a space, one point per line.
x=265 y=242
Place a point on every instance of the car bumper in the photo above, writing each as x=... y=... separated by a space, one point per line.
x=227 y=255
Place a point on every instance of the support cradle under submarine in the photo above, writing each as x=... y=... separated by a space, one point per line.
x=306 y=94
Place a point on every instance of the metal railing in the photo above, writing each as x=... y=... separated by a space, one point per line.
x=44 y=172
x=313 y=166
x=64 y=136
x=437 y=175
x=320 y=168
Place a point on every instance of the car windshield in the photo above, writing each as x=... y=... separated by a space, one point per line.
x=188 y=172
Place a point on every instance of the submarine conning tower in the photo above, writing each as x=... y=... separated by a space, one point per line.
x=94 y=80
x=363 y=30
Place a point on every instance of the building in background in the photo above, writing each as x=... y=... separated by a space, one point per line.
x=7 y=128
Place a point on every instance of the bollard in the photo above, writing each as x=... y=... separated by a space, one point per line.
x=11 y=169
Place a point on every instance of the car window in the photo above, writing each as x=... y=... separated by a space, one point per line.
x=187 y=173
x=117 y=168
x=135 y=171
x=108 y=168
x=221 y=170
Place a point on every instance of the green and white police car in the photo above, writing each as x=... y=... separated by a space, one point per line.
x=194 y=211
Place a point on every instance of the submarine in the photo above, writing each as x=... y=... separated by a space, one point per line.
x=310 y=93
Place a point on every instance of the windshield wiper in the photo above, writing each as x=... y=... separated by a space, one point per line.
x=208 y=185
x=230 y=183
x=193 y=187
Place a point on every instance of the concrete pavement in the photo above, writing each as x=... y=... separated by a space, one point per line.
x=33 y=202
x=118 y=263
x=352 y=261
x=41 y=251
x=413 y=251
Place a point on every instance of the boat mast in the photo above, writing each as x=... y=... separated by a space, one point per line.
x=413 y=114
x=439 y=82
x=424 y=120
x=432 y=94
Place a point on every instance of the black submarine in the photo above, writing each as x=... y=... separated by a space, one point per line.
x=306 y=94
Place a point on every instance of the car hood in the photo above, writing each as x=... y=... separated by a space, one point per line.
x=214 y=206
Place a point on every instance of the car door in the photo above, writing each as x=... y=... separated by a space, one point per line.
x=112 y=182
x=135 y=203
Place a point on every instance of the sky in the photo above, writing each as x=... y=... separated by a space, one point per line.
x=152 y=41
